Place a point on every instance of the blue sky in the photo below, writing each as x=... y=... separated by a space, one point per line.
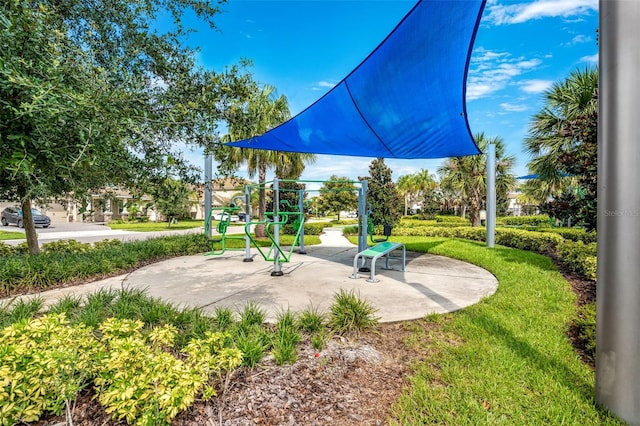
x=304 y=47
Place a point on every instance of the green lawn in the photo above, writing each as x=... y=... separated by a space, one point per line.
x=6 y=235
x=157 y=226
x=506 y=360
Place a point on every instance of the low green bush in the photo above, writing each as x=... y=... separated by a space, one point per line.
x=451 y=219
x=585 y=322
x=537 y=220
x=527 y=240
x=142 y=383
x=63 y=264
x=312 y=228
x=579 y=257
x=66 y=246
x=350 y=314
x=45 y=362
x=573 y=234
x=410 y=222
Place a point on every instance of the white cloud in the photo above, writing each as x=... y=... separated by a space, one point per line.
x=491 y=72
x=323 y=85
x=536 y=86
x=581 y=38
x=513 y=107
x=523 y=12
x=591 y=58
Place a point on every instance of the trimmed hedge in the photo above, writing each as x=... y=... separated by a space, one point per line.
x=452 y=219
x=309 y=229
x=538 y=220
x=573 y=234
x=585 y=322
x=577 y=256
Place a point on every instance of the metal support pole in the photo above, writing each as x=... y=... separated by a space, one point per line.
x=301 y=208
x=491 y=195
x=362 y=216
x=618 y=292
x=208 y=175
x=247 y=219
x=277 y=267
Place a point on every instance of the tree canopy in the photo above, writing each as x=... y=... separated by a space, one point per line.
x=338 y=194
x=467 y=176
x=94 y=95
x=563 y=140
x=383 y=196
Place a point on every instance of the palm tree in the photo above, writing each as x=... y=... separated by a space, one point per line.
x=407 y=187
x=416 y=186
x=554 y=131
x=563 y=142
x=264 y=111
x=467 y=176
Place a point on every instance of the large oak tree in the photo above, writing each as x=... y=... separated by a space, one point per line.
x=91 y=94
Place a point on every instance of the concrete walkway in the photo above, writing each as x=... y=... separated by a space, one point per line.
x=430 y=284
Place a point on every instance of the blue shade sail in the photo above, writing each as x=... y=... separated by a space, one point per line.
x=405 y=100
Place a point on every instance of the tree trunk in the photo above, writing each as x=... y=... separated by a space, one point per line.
x=29 y=227
x=474 y=212
x=406 y=204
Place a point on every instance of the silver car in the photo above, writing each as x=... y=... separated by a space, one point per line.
x=13 y=216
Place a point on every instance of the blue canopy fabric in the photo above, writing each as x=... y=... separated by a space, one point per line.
x=405 y=100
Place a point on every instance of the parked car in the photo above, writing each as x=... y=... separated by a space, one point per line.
x=13 y=216
x=221 y=215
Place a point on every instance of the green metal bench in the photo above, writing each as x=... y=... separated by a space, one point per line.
x=376 y=252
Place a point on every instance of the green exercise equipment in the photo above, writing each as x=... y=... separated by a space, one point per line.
x=219 y=242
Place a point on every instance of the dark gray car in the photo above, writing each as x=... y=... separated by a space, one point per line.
x=13 y=216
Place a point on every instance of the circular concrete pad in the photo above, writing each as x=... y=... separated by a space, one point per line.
x=430 y=284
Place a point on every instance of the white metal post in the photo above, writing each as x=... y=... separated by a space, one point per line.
x=491 y=195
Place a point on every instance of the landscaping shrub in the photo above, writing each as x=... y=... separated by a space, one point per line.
x=349 y=314
x=452 y=219
x=142 y=383
x=579 y=257
x=527 y=240
x=573 y=234
x=585 y=322
x=538 y=220
x=309 y=229
x=6 y=249
x=62 y=263
x=45 y=362
x=66 y=246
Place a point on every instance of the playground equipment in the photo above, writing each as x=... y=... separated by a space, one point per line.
x=221 y=228
x=279 y=217
x=271 y=222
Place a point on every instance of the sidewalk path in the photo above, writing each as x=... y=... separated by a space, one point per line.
x=430 y=284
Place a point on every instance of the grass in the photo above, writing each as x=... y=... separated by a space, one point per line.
x=9 y=235
x=157 y=226
x=507 y=359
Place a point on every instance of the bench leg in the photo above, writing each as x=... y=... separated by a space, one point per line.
x=355 y=275
x=372 y=277
x=386 y=262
